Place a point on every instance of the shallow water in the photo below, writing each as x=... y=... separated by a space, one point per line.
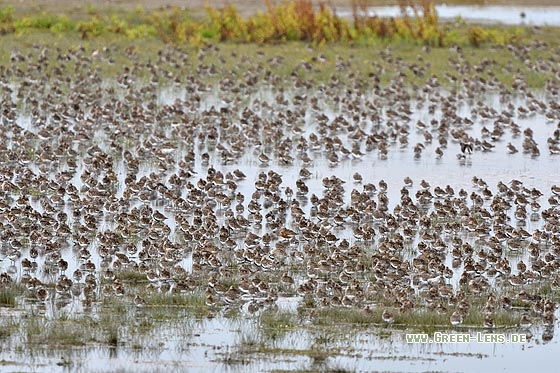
x=217 y=343
x=211 y=347
x=210 y=344
x=507 y=15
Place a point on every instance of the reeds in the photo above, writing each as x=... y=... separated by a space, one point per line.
x=289 y=21
x=423 y=26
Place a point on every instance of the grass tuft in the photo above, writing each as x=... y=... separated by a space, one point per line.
x=8 y=295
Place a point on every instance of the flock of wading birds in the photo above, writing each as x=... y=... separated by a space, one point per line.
x=101 y=176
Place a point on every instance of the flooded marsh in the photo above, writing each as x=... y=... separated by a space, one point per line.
x=211 y=209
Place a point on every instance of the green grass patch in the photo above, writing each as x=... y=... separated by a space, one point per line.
x=184 y=300
x=57 y=332
x=422 y=319
x=277 y=319
x=276 y=324
x=415 y=319
x=131 y=277
x=108 y=327
x=116 y=306
x=7 y=328
x=8 y=295
x=545 y=289
x=343 y=315
x=174 y=306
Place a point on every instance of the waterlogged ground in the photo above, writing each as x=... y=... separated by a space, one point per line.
x=353 y=352
x=185 y=214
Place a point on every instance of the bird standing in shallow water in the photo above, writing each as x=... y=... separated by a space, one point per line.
x=511 y=148
x=466 y=148
x=357 y=177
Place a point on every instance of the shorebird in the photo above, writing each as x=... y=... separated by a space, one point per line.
x=456 y=318
x=238 y=174
x=408 y=182
x=263 y=159
x=387 y=317
x=511 y=148
x=486 y=146
x=549 y=319
x=42 y=294
x=357 y=177
x=382 y=185
x=488 y=322
x=525 y=322
x=466 y=148
x=140 y=302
